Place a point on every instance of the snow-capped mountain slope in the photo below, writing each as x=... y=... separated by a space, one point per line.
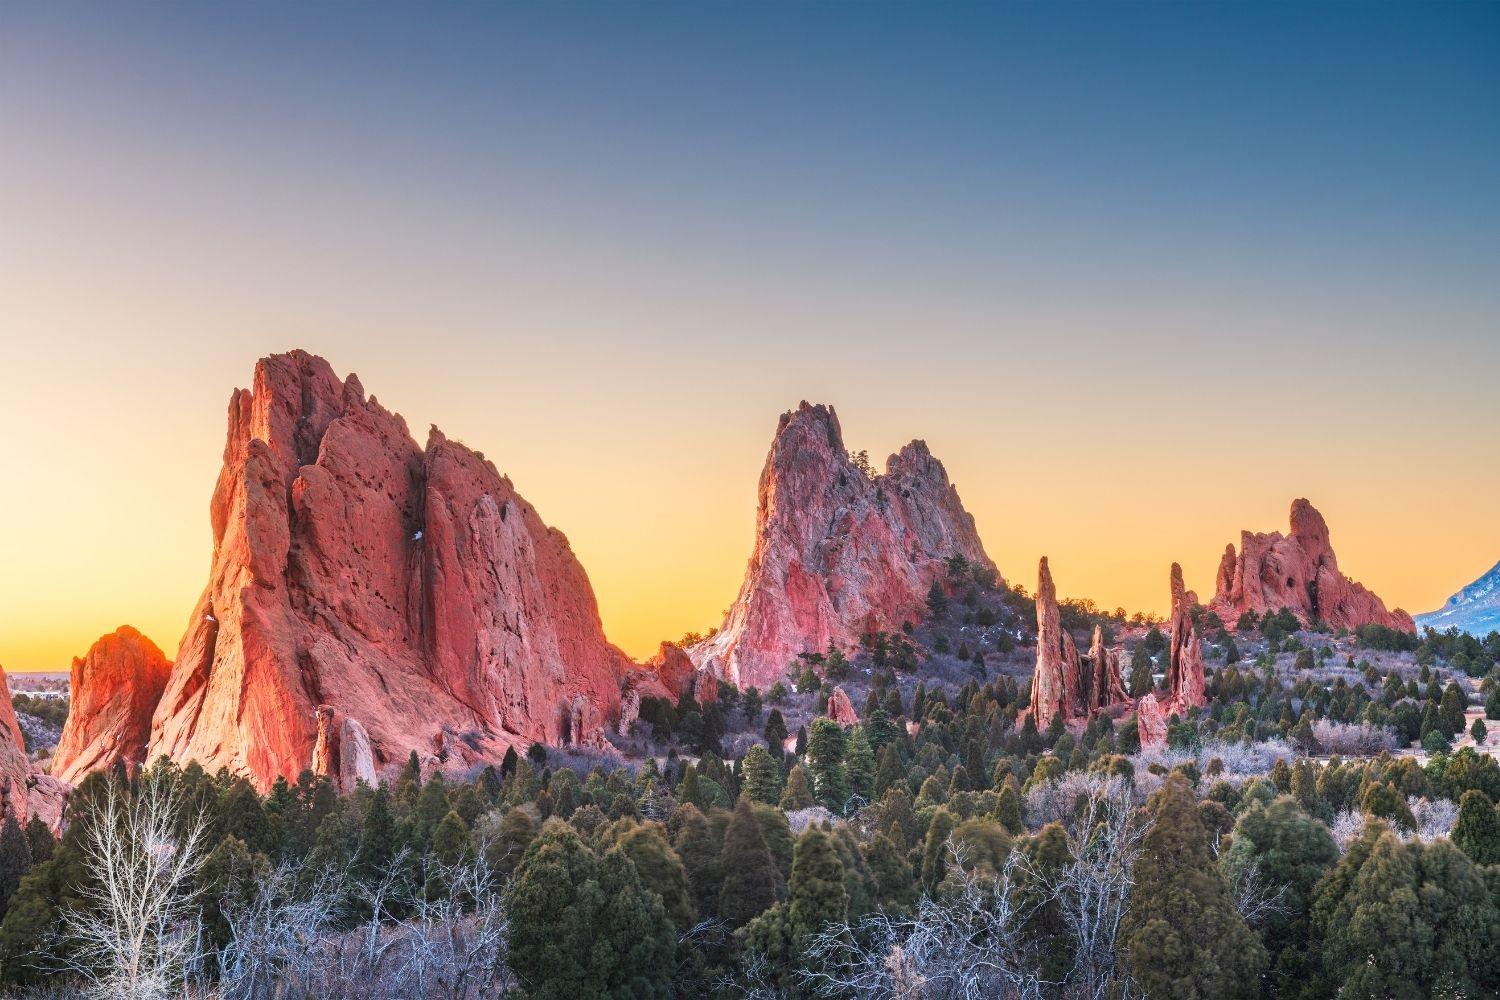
x=1474 y=609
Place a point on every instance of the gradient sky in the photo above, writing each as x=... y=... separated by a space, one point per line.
x=1139 y=274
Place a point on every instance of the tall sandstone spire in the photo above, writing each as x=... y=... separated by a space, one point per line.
x=1297 y=571
x=1186 y=687
x=369 y=597
x=839 y=549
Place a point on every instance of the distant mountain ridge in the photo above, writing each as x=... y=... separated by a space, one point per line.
x=1474 y=609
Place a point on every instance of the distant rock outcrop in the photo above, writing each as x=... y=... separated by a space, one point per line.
x=114 y=691
x=839 y=549
x=369 y=597
x=1064 y=684
x=1186 y=687
x=1474 y=609
x=1297 y=571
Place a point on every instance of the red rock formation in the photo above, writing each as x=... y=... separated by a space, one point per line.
x=25 y=791
x=1297 y=571
x=1061 y=683
x=412 y=592
x=841 y=709
x=1185 y=682
x=1107 y=686
x=1056 y=685
x=114 y=690
x=838 y=550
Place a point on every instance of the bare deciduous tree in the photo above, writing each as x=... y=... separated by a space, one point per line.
x=134 y=933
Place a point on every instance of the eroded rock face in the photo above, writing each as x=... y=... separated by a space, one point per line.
x=1064 y=683
x=841 y=709
x=838 y=551
x=1185 y=682
x=114 y=689
x=1297 y=571
x=409 y=590
x=25 y=791
x=1055 y=686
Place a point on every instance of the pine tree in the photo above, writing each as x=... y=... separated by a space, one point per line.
x=752 y=879
x=859 y=764
x=1181 y=936
x=1008 y=808
x=937 y=599
x=1477 y=832
x=582 y=926
x=935 y=848
x=890 y=771
x=817 y=892
x=242 y=815
x=776 y=732
x=895 y=887
x=798 y=792
x=701 y=861
x=377 y=842
x=15 y=859
x=518 y=828
x=762 y=780
x=660 y=868
x=825 y=764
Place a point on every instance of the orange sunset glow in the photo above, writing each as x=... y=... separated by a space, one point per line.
x=613 y=293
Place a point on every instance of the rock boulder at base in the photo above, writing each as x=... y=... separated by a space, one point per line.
x=841 y=709
x=369 y=597
x=114 y=691
x=1297 y=571
x=840 y=550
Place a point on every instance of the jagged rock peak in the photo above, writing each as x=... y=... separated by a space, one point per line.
x=1298 y=571
x=409 y=591
x=840 y=549
x=114 y=690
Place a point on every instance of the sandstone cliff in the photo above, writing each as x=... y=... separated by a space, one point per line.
x=368 y=597
x=114 y=691
x=1298 y=571
x=839 y=549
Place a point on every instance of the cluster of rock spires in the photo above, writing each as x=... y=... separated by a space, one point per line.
x=839 y=550
x=1063 y=683
x=368 y=598
x=1298 y=571
x=1078 y=688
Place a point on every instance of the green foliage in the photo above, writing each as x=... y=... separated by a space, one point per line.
x=584 y=926
x=752 y=880
x=1477 y=832
x=1181 y=936
x=762 y=776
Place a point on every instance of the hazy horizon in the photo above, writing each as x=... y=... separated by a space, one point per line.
x=1139 y=275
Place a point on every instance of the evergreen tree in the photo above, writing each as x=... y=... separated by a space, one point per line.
x=582 y=926
x=518 y=828
x=15 y=859
x=1008 y=808
x=762 y=779
x=1477 y=832
x=242 y=815
x=937 y=599
x=700 y=854
x=798 y=793
x=825 y=764
x=377 y=842
x=1181 y=936
x=895 y=887
x=935 y=848
x=817 y=892
x=776 y=732
x=660 y=868
x=1405 y=921
x=752 y=880
x=859 y=764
